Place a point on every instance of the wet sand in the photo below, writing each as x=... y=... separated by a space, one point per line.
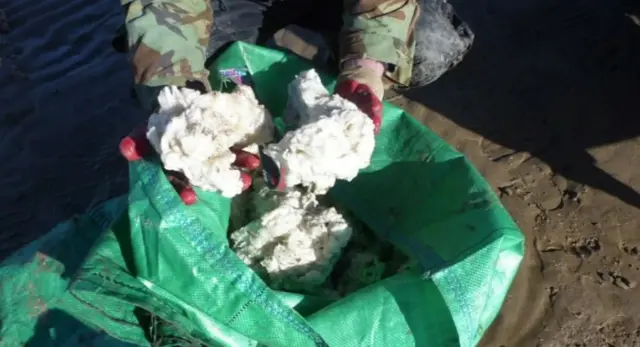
x=546 y=106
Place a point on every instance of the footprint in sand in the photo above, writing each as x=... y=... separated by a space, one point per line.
x=617 y=280
x=585 y=249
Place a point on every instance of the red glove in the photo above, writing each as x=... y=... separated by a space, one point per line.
x=358 y=93
x=361 y=95
x=360 y=82
x=136 y=147
x=351 y=89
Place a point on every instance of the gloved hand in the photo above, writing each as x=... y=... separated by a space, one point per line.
x=136 y=147
x=361 y=83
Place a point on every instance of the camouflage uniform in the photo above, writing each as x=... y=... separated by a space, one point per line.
x=381 y=30
x=168 y=39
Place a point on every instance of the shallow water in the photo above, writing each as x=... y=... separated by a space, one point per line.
x=66 y=101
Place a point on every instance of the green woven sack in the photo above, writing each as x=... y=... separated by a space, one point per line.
x=115 y=272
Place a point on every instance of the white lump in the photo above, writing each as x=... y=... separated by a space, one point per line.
x=296 y=244
x=334 y=140
x=297 y=241
x=193 y=134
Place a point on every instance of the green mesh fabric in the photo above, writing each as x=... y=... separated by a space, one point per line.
x=144 y=267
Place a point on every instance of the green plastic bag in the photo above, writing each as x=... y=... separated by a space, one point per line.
x=114 y=272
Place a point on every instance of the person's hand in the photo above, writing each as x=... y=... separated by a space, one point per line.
x=361 y=83
x=136 y=147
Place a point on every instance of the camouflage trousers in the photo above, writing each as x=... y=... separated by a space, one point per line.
x=439 y=31
x=442 y=39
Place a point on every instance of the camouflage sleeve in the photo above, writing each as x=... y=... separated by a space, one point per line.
x=167 y=41
x=381 y=30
